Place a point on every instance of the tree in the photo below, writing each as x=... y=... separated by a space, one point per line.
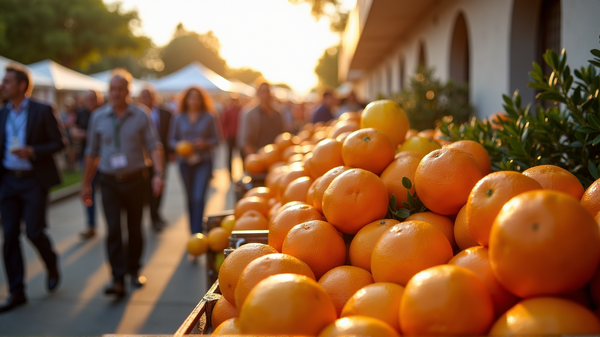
x=188 y=46
x=329 y=8
x=244 y=74
x=327 y=68
x=73 y=33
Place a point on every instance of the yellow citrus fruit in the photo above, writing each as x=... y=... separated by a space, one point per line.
x=228 y=223
x=387 y=117
x=421 y=145
x=198 y=244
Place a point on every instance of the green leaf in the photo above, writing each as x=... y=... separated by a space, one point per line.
x=594 y=121
x=594 y=62
x=393 y=205
x=593 y=170
x=406 y=183
x=596 y=140
x=596 y=52
x=549 y=59
x=576 y=144
x=551 y=96
x=402 y=213
x=568 y=83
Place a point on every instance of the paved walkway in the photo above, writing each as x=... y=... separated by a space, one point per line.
x=79 y=307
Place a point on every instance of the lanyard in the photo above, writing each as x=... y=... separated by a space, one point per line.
x=117 y=127
x=13 y=124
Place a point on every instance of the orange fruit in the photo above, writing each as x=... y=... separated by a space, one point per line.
x=387 y=117
x=218 y=239
x=272 y=178
x=287 y=218
x=477 y=151
x=342 y=282
x=590 y=199
x=544 y=242
x=253 y=164
x=230 y=327
x=324 y=182
x=251 y=203
x=270 y=154
x=284 y=140
x=297 y=190
x=446 y=300
x=311 y=191
x=444 y=179
x=343 y=127
x=326 y=155
x=274 y=210
x=361 y=247
x=497 y=118
x=350 y=116
x=234 y=265
x=286 y=304
x=318 y=244
x=556 y=178
x=406 y=153
x=222 y=311
x=354 y=199
x=406 y=249
x=368 y=149
x=261 y=192
x=405 y=166
x=306 y=161
x=420 y=145
x=342 y=137
x=228 y=223
x=411 y=133
x=476 y=259
x=198 y=244
x=184 y=148
x=441 y=222
x=594 y=288
x=294 y=172
x=488 y=197
x=378 y=300
x=359 y=326
x=427 y=133
x=251 y=220
x=462 y=234
x=265 y=266
x=545 y=316
x=295 y=158
x=290 y=151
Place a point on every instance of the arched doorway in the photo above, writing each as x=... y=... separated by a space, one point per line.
x=459 y=52
x=421 y=58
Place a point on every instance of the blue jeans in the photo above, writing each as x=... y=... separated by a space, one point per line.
x=90 y=211
x=196 y=179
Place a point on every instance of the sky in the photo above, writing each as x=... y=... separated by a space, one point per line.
x=280 y=39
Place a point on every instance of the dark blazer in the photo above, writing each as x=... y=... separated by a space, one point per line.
x=163 y=130
x=45 y=134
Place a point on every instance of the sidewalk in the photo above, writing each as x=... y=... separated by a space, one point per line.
x=79 y=307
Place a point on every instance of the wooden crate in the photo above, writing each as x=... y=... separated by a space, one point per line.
x=211 y=222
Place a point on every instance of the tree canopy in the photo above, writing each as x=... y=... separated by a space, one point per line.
x=327 y=68
x=73 y=33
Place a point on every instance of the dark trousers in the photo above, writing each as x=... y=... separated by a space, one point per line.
x=153 y=200
x=116 y=197
x=23 y=198
x=90 y=211
x=231 y=145
x=196 y=179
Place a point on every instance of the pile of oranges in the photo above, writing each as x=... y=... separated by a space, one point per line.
x=494 y=253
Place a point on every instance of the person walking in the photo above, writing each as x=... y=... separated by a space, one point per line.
x=120 y=139
x=325 y=112
x=195 y=124
x=30 y=133
x=230 y=119
x=161 y=119
x=92 y=101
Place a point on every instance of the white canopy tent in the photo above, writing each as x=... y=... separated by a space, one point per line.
x=136 y=87
x=43 y=88
x=66 y=79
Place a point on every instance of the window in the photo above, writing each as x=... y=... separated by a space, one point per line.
x=459 y=52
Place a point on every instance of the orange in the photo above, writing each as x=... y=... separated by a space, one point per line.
x=387 y=117
x=590 y=199
x=476 y=259
x=444 y=179
x=295 y=158
x=218 y=239
x=441 y=222
x=324 y=182
x=286 y=304
x=477 y=151
x=284 y=140
x=230 y=327
x=274 y=210
x=326 y=155
x=354 y=199
x=290 y=151
x=342 y=137
x=270 y=154
x=198 y=244
x=184 y=148
x=294 y=172
x=251 y=220
x=228 y=223
x=253 y=164
x=319 y=136
x=350 y=116
x=272 y=178
x=497 y=118
x=361 y=247
x=359 y=326
x=446 y=300
x=286 y=219
x=545 y=316
x=462 y=234
x=542 y=243
x=556 y=178
x=488 y=197
x=378 y=300
x=406 y=249
x=251 y=203
x=342 y=282
x=368 y=149
x=222 y=311
x=311 y=191
x=318 y=244
x=234 y=265
x=427 y=133
x=297 y=190
x=409 y=153
x=306 y=161
x=594 y=288
x=343 y=127
x=420 y=145
x=265 y=266
x=411 y=133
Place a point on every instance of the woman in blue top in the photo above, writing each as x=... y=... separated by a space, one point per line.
x=196 y=124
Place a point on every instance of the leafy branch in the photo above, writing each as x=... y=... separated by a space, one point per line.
x=411 y=206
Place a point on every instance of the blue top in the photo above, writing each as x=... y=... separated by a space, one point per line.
x=323 y=114
x=16 y=126
x=204 y=128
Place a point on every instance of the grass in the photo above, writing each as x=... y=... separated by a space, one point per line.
x=69 y=179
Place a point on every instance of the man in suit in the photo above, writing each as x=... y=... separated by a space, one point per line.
x=29 y=135
x=161 y=119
